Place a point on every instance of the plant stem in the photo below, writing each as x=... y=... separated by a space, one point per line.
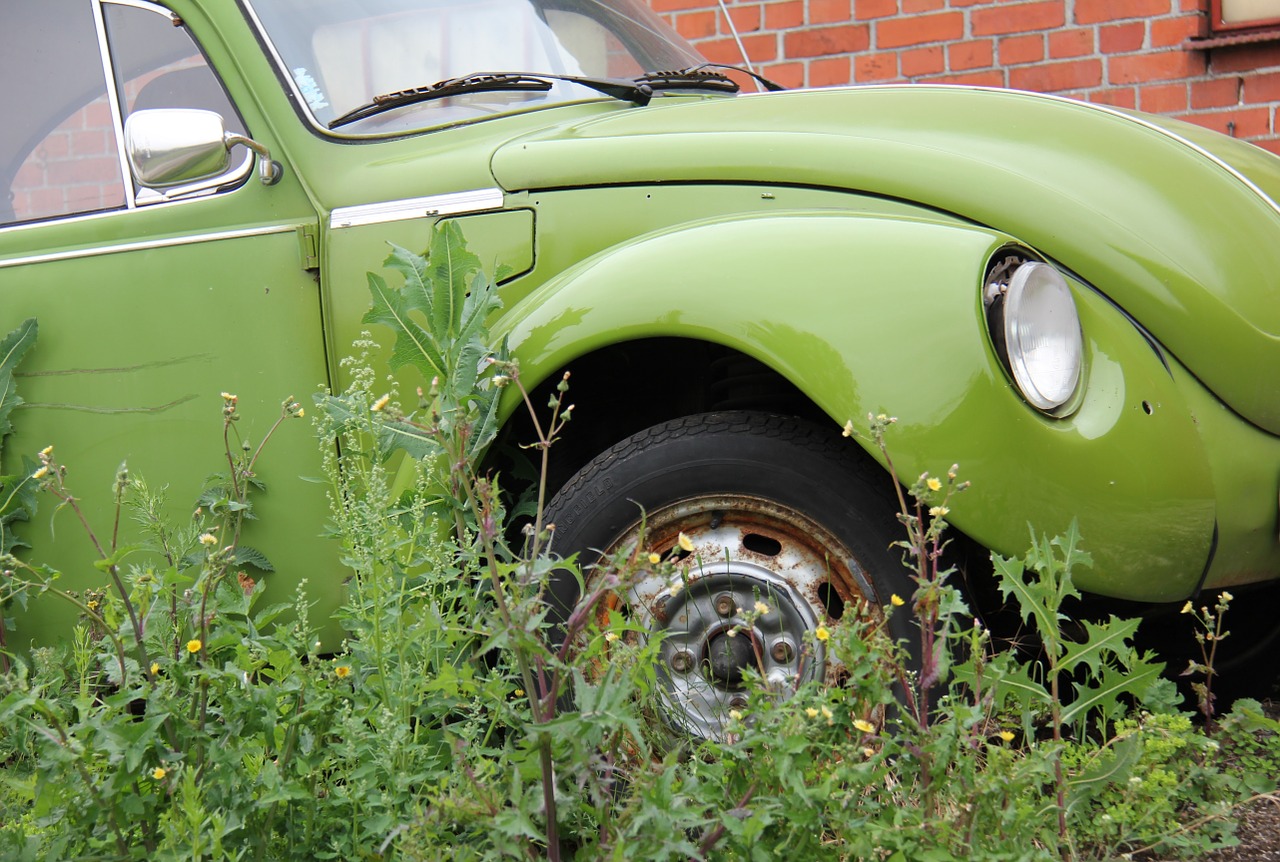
x=712 y=838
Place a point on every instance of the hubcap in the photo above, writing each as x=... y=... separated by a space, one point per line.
x=746 y=601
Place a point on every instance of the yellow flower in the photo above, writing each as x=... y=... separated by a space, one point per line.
x=868 y=752
x=654 y=559
x=934 y=484
x=938 y=511
x=194 y=645
x=227 y=396
x=822 y=633
x=1226 y=597
x=93 y=606
x=811 y=712
x=685 y=543
x=301 y=412
x=762 y=608
x=1006 y=735
x=155 y=668
x=610 y=637
x=864 y=726
x=1186 y=609
x=208 y=539
x=519 y=692
x=827 y=714
x=848 y=429
x=735 y=715
x=896 y=600
x=40 y=473
x=159 y=773
x=342 y=671
x=380 y=403
x=46 y=451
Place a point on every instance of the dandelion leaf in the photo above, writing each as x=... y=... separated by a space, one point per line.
x=1108 y=693
x=1104 y=642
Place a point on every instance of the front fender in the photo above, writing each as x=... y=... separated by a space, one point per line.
x=867 y=314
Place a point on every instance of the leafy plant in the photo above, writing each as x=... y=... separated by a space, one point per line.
x=455 y=719
x=17 y=493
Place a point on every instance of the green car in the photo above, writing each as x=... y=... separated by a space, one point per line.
x=1075 y=304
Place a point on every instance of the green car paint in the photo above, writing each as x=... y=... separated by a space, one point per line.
x=840 y=237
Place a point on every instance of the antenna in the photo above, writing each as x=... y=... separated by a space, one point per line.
x=734 y=30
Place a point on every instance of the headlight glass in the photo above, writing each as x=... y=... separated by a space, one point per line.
x=1041 y=334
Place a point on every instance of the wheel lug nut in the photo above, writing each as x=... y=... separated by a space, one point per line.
x=724 y=604
x=782 y=652
x=682 y=661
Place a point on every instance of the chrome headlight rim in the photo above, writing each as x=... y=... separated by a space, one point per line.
x=1019 y=286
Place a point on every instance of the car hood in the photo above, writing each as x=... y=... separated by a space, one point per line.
x=1177 y=225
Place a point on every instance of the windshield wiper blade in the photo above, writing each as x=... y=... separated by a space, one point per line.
x=703 y=77
x=696 y=78
x=492 y=82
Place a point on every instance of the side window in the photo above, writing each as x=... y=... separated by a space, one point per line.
x=58 y=146
x=60 y=139
x=158 y=65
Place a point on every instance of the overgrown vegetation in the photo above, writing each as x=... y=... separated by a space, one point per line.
x=184 y=720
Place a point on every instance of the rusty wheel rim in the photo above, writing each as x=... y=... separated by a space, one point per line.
x=762 y=577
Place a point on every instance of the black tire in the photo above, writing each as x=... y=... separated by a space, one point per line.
x=779 y=510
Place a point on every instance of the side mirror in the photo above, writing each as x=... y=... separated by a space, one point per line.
x=170 y=147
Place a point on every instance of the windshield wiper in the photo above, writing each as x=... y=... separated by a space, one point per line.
x=637 y=91
x=703 y=77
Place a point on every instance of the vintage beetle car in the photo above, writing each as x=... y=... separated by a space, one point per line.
x=1076 y=304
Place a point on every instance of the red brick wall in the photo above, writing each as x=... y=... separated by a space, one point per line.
x=1130 y=53
x=76 y=168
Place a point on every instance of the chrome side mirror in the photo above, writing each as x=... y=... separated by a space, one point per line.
x=170 y=147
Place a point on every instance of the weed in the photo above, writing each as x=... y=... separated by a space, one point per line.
x=454 y=719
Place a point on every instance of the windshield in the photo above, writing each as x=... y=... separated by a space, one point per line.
x=340 y=54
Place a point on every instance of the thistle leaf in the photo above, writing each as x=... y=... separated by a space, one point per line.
x=439 y=318
x=12 y=348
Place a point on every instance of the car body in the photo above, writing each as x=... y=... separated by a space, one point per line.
x=826 y=254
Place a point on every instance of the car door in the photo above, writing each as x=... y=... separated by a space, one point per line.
x=149 y=304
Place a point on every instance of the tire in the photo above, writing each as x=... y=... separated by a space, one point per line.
x=778 y=510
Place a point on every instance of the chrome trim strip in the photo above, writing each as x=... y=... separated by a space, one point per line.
x=456 y=203
x=1094 y=106
x=148 y=244
x=150 y=7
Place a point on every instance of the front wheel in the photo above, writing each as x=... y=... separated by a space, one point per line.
x=790 y=528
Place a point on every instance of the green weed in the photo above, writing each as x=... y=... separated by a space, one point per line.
x=454 y=720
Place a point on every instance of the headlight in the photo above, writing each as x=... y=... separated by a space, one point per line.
x=1036 y=330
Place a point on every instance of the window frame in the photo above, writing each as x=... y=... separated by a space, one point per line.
x=139 y=195
x=1254 y=25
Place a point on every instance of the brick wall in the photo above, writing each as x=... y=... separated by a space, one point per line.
x=1129 y=53
x=76 y=168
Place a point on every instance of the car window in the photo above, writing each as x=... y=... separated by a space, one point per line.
x=158 y=65
x=58 y=148
x=60 y=142
x=341 y=54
